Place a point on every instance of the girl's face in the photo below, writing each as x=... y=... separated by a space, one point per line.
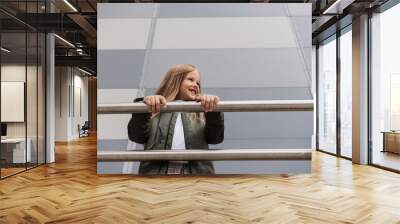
x=190 y=86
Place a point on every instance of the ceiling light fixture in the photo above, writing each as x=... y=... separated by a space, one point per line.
x=334 y=8
x=5 y=49
x=79 y=51
x=84 y=71
x=70 y=5
x=65 y=41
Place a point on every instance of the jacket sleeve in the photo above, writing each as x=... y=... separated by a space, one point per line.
x=214 y=129
x=138 y=126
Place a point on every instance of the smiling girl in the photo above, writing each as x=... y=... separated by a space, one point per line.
x=177 y=131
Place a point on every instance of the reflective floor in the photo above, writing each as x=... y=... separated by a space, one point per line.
x=387 y=159
x=71 y=191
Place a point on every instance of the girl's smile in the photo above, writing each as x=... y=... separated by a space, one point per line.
x=190 y=86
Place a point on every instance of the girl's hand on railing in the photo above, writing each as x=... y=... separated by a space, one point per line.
x=208 y=102
x=154 y=103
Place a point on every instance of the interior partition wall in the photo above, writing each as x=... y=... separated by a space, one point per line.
x=22 y=87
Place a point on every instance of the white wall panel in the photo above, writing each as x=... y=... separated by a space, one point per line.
x=13 y=73
x=224 y=32
x=122 y=33
x=299 y=9
x=116 y=95
x=12 y=101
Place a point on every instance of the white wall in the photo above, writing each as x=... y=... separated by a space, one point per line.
x=68 y=83
x=80 y=84
x=16 y=73
x=33 y=126
x=61 y=103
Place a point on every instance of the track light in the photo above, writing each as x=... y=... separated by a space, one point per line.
x=84 y=71
x=65 y=41
x=5 y=50
x=337 y=7
x=70 y=5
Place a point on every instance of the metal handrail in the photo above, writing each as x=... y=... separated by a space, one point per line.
x=211 y=155
x=222 y=106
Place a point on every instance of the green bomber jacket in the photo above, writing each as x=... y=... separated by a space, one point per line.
x=156 y=134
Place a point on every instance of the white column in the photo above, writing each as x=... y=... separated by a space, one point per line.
x=360 y=90
x=314 y=94
x=50 y=100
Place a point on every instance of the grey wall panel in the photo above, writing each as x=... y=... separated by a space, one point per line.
x=117 y=167
x=221 y=10
x=115 y=145
x=292 y=129
x=222 y=68
x=255 y=93
x=244 y=71
x=261 y=93
x=257 y=130
x=284 y=142
x=224 y=167
x=119 y=69
x=307 y=61
x=268 y=124
x=125 y=10
x=109 y=167
x=287 y=142
x=303 y=39
x=261 y=167
x=112 y=145
x=301 y=23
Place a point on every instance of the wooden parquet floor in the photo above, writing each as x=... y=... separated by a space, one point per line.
x=70 y=191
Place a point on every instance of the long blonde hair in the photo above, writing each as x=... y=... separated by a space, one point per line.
x=170 y=85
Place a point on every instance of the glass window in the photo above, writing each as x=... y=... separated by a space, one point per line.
x=385 y=84
x=346 y=93
x=327 y=96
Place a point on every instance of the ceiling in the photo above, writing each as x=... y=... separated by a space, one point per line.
x=76 y=22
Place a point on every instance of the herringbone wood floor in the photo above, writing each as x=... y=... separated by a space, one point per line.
x=70 y=191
